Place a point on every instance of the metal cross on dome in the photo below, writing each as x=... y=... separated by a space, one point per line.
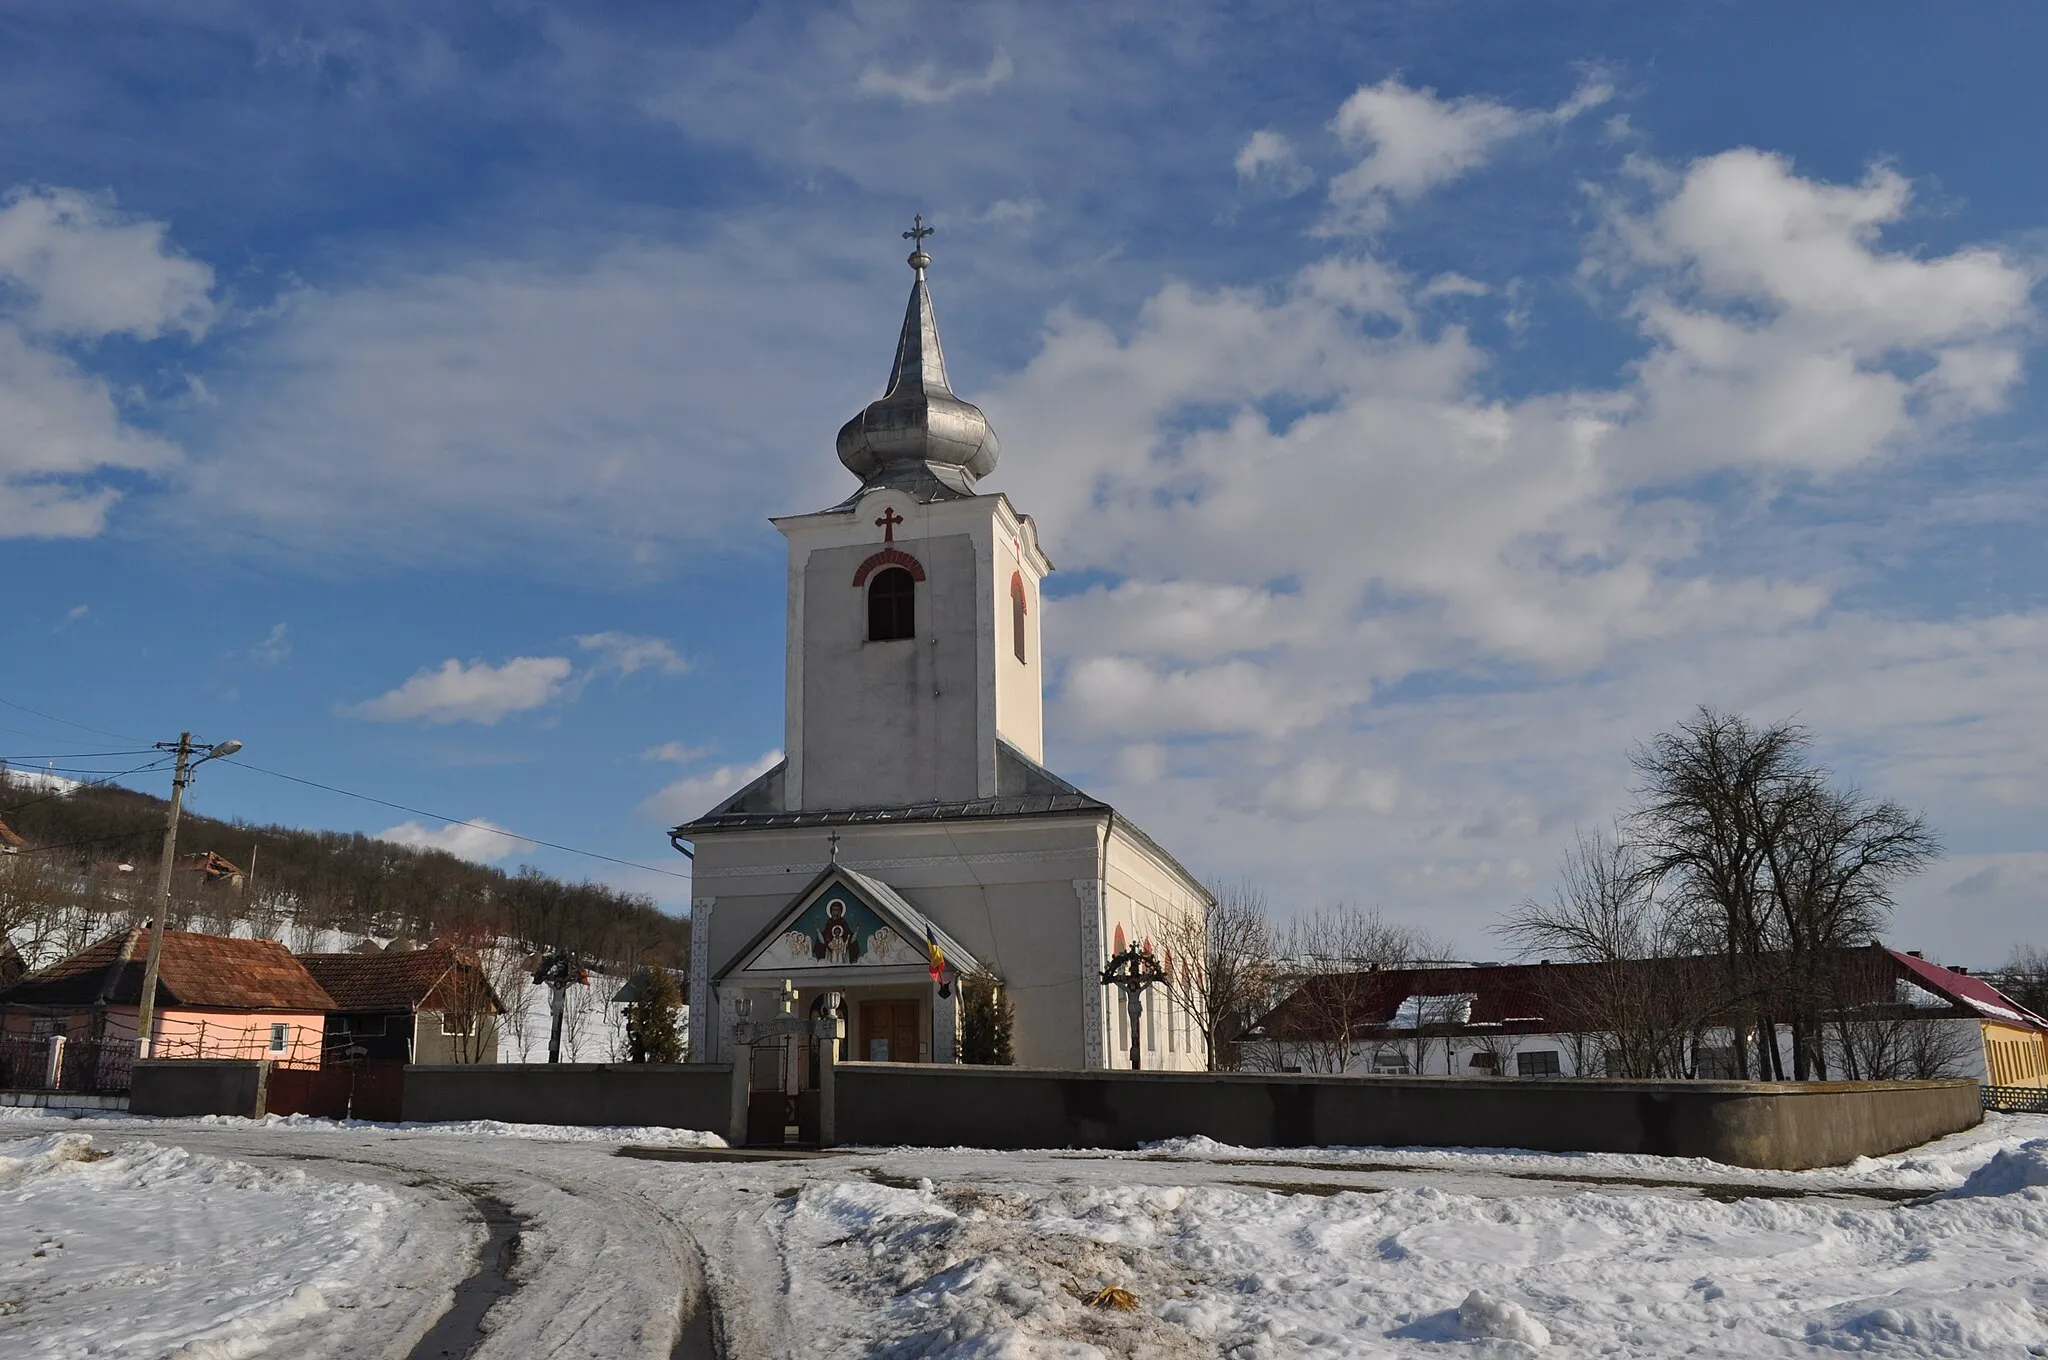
x=917 y=232
x=888 y=522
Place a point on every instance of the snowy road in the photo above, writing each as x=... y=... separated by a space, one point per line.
x=308 y=1240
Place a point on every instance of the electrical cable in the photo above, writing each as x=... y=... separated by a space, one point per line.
x=51 y=717
x=72 y=755
x=85 y=783
x=452 y=821
x=329 y=788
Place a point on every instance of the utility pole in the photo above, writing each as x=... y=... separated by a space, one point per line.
x=145 y=1018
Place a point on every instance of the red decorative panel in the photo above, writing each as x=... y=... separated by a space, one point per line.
x=888 y=557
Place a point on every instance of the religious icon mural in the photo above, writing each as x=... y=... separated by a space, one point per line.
x=836 y=930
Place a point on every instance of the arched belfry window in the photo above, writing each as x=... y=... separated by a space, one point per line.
x=892 y=605
x=1017 y=612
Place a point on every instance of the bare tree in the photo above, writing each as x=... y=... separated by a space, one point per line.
x=1331 y=957
x=1702 y=824
x=1776 y=869
x=2024 y=978
x=1222 y=969
x=1607 y=921
x=1831 y=858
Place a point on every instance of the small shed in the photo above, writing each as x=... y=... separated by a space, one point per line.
x=432 y=1005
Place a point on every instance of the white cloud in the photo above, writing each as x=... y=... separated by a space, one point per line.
x=61 y=426
x=274 y=649
x=82 y=269
x=1784 y=334
x=675 y=753
x=626 y=654
x=1415 y=140
x=478 y=841
x=1269 y=163
x=72 y=268
x=424 y=414
x=921 y=84
x=1398 y=643
x=477 y=692
x=692 y=797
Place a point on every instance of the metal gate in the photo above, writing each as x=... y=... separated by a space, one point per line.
x=783 y=1100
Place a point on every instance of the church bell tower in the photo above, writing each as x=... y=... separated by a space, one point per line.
x=913 y=641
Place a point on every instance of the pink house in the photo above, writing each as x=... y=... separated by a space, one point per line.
x=216 y=998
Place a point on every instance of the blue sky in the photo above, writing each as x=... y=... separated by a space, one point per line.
x=1422 y=402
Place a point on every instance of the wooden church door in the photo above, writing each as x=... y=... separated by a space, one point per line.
x=888 y=1031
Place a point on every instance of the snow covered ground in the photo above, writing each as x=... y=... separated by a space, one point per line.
x=1942 y=1251
x=150 y=1250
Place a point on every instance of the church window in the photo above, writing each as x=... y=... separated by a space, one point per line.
x=892 y=605
x=1017 y=611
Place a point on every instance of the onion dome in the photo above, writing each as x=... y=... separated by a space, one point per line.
x=919 y=436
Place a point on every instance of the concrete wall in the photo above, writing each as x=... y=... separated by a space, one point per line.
x=1004 y=889
x=1780 y=1125
x=1020 y=685
x=696 y=1096
x=185 y=1087
x=888 y=723
x=430 y=1045
x=869 y=724
x=1148 y=897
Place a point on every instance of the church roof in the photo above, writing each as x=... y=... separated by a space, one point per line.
x=918 y=437
x=909 y=924
x=1024 y=788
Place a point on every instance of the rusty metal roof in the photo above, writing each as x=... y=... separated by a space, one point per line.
x=436 y=978
x=213 y=972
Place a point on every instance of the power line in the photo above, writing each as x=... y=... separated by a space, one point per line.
x=83 y=784
x=51 y=717
x=452 y=821
x=75 y=755
x=329 y=788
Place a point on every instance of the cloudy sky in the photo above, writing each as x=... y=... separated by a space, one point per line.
x=1422 y=403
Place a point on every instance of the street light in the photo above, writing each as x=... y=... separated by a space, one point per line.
x=145 y=1018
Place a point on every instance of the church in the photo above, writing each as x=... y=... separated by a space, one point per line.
x=912 y=813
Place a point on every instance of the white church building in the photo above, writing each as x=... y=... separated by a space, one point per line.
x=912 y=805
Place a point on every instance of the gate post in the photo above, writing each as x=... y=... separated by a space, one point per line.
x=736 y=1115
x=831 y=1031
x=53 y=1068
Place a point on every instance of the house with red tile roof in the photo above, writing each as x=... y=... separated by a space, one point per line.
x=216 y=997
x=1887 y=1014
x=431 y=1005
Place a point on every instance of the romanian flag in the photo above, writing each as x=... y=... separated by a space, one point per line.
x=934 y=954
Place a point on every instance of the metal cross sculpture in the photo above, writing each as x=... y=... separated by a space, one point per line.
x=918 y=232
x=1134 y=970
x=557 y=972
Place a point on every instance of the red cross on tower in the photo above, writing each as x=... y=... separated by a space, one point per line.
x=888 y=522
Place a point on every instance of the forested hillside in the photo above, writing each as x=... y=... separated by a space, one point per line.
x=89 y=858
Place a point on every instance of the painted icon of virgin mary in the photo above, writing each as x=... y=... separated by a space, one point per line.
x=836 y=941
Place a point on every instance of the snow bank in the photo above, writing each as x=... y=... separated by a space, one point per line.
x=1484 y=1318
x=1941 y=1165
x=1006 y=1264
x=306 y=1123
x=2011 y=1171
x=481 y=1128
x=152 y=1251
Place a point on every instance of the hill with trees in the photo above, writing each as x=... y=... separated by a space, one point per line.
x=88 y=857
